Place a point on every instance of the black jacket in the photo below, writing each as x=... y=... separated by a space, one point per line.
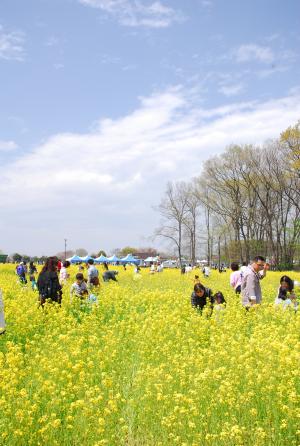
x=48 y=285
x=200 y=302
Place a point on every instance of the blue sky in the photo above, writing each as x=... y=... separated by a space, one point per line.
x=103 y=101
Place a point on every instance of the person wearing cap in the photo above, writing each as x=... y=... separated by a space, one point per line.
x=250 y=287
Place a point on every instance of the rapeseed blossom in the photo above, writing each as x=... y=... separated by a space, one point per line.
x=144 y=368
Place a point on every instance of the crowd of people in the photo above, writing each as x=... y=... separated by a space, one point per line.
x=244 y=280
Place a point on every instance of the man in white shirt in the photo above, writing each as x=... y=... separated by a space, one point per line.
x=251 y=290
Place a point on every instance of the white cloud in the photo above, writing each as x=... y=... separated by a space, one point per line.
x=231 y=89
x=252 y=52
x=98 y=188
x=7 y=146
x=137 y=13
x=12 y=45
x=107 y=59
x=267 y=72
x=58 y=66
x=207 y=3
x=52 y=41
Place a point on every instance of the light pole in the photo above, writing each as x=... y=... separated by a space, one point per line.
x=65 y=248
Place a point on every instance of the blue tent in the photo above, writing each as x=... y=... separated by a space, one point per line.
x=130 y=259
x=113 y=259
x=101 y=259
x=75 y=259
x=86 y=258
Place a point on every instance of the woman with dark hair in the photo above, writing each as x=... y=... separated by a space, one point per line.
x=286 y=295
x=201 y=296
x=48 y=283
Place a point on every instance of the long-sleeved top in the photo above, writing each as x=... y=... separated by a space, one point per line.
x=63 y=275
x=49 y=286
x=250 y=287
x=79 y=290
x=235 y=279
x=200 y=302
x=92 y=272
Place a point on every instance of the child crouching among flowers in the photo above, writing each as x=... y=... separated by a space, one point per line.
x=79 y=290
x=219 y=301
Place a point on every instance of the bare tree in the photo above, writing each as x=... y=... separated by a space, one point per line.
x=173 y=209
x=190 y=220
x=247 y=198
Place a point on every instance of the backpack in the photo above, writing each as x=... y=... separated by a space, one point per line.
x=20 y=270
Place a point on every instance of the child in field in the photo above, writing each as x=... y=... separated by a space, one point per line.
x=63 y=274
x=219 y=301
x=79 y=288
x=32 y=272
x=80 y=291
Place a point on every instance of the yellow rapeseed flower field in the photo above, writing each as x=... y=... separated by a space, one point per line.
x=142 y=368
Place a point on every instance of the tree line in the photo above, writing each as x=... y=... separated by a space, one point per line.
x=245 y=201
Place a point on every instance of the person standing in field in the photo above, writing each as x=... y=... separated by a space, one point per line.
x=63 y=274
x=21 y=273
x=59 y=265
x=250 y=287
x=235 y=278
x=206 y=271
x=243 y=268
x=93 y=274
x=32 y=273
x=48 y=283
x=2 y=319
